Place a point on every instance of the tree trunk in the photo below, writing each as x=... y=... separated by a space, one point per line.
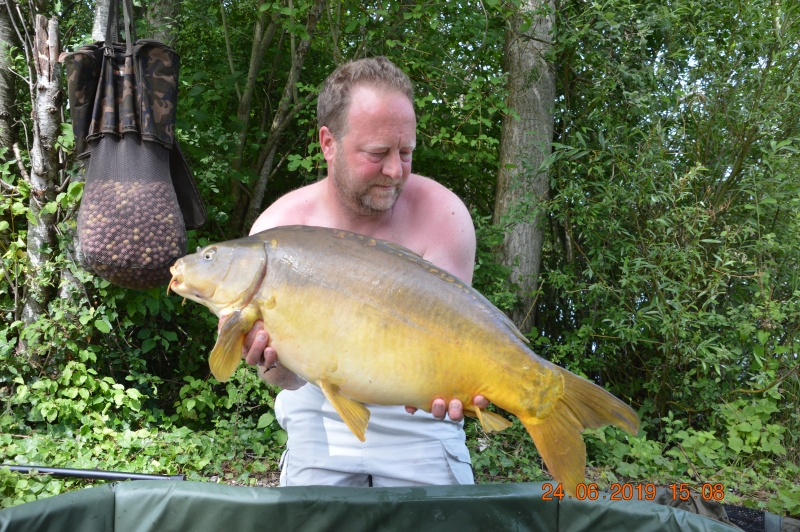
x=8 y=38
x=100 y=19
x=283 y=116
x=261 y=40
x=8 y=133
x=524 y=145
x=44 y=167
x=162 y=18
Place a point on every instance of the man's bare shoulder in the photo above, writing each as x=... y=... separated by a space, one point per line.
x=434 y=202
x=295 y=207
x=443 y=226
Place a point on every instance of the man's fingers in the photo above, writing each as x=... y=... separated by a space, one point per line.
x=480 y=401
x=438 y=408
x=455 y=410
x=411 y=410
x=270 y=358
x=250 y=337
x=255 y=353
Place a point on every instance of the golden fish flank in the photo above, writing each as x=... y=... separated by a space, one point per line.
x=369 y=321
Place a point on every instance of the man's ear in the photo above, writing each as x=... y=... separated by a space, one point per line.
x=327 y=143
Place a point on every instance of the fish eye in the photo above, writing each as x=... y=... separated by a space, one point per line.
x=209 y=254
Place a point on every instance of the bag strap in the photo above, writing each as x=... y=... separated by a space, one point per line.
x=113 y=21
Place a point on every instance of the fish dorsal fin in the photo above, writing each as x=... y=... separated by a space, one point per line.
x=398 y=247
x=505 y=320
x=227 y=352
x=354 y=414
x=510 y=324
x=490 y=421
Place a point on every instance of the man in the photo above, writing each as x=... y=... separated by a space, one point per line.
x=367 y=135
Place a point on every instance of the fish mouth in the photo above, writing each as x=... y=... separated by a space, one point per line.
x=177 y=278
x=179 y=286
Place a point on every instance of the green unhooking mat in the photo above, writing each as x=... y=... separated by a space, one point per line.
x=167 y=506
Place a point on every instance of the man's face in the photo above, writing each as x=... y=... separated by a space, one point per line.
x=371 y=162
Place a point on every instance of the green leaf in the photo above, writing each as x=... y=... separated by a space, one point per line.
x=763 y=337
x=148 y=345
x=265 y=420
x=102 y=326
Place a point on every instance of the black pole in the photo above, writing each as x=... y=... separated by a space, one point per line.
x=90 y=473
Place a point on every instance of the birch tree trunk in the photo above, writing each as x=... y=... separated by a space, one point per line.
x=8 y=38
x=46 y=100
x=524 y=144
x=100 y=18
x=8 y=134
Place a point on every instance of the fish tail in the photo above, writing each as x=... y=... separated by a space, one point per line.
x=558 y=436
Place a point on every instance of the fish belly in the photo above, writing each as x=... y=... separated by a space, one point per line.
x=372 y=353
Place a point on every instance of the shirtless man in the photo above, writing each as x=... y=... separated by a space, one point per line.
x=367 y=135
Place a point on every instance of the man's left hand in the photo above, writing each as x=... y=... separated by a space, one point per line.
x=455 y=410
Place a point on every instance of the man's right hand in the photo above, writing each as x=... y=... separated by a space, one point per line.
x=256 y=352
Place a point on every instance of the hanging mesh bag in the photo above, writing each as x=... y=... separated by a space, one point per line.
x=131 y=223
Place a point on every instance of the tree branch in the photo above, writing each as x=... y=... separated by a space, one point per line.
x=21 y=166
x=228 y=45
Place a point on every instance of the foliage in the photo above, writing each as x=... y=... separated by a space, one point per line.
x=669 y=271
x=670 y=265
x=87 y=422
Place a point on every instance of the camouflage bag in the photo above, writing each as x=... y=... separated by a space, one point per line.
x=139 y=197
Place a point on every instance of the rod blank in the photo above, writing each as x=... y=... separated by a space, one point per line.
x=90 y=473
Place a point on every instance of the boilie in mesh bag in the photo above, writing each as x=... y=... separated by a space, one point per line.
x=130 y=224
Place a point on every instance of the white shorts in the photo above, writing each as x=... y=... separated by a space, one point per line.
x=400 y=449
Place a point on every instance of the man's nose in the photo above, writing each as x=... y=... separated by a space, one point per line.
x=393 y=166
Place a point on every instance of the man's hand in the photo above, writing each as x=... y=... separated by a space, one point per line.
x=455 y=409
x=256 y=352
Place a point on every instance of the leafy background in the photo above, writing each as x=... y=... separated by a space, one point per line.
x=669 y=270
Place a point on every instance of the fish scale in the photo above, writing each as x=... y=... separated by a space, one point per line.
x=370 y=322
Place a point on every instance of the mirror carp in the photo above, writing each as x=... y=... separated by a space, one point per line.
x=369 y=321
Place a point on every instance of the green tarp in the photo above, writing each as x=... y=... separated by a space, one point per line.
x=166 y=506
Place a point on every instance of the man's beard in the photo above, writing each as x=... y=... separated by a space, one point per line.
x=361 y=199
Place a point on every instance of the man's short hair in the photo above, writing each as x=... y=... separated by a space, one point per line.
x=375 y=72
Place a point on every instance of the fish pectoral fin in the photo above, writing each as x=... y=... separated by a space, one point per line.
x=354 y=414
x=490 y=421
x=227 y=352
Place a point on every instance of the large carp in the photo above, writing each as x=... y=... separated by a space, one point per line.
x=369 y=321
